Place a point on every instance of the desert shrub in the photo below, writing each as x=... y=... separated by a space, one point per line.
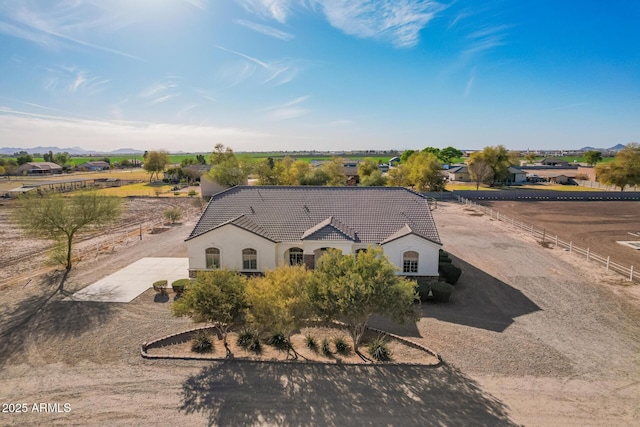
x=172 y=214
x=191 y=193
x=160 y=287
x=279 y=341
x=450 y=273
x=312 y=343
x=341 y=346
x=246 y=337
x=423 y=287
x=202 y=343
x=325 y=348
x=180 y=285
x=176 y=193
x=441 y=291
x=379 y=350
x=255 y=346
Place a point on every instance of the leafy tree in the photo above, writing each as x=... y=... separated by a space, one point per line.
x=217 y=297
x=155 y=162
x=334 y=169
x=425 y=171
x=61 y=158
x=623 y=170
x=449 y=154
x=405 y=155
x=530 y=157
x=479 y=170
x=2 y=170
x=350 y=288
x=296 y=171
x=267 y=173
x=200 y=159
x=126 y=163
x=399 y=176
x=317 y=176
x=592 y=157
x=366 y=168
x=187 y=161
x=497 y=158
x=48 y=157
x=229 y=172
x=62 y=219
x=375 y=179
x=220 y=154
x=23 y=157
x=278 y=302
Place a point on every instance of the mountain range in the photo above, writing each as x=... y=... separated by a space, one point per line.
x=617 y=147
x=74 y=151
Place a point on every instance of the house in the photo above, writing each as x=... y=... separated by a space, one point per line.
x=517 y=175
x=98 y=165
x=459 y=173
x=39 y=168
x=255 y=228
x=550 y=161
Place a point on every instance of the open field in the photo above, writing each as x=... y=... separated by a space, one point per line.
x=531 y=336
x=593 y=225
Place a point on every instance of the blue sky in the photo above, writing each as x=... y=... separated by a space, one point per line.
x=258 y=75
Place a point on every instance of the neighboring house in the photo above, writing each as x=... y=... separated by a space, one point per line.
x=517 y=175
x=394 y=161
x=95 y=166
x=550 y=161
x=253 y=229
x=459 y=174
x=38 y=168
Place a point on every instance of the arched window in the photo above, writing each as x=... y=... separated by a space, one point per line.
x=410 y=262
x=249 y=259
x=296 y=256
x=212 y=256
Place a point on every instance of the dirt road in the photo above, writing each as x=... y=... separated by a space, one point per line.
x=530 y=337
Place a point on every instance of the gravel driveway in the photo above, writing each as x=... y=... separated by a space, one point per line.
x=531 y=336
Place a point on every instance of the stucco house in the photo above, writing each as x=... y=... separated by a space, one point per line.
x=459 y=173
x=98 y=165
x=255 y=228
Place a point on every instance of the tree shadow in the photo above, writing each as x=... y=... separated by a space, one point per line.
x=254 y=393
x=45 y=316
x=481 y=301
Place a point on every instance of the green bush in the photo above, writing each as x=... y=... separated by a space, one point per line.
x=255 y=346
x=450 y=273
x=312 y=343
x=341 y=346
x=443 y=260
x=191 y=193
x=325 y=348
x=202 y=343
x=379 y=350
x=180 y=285
x=279 y=341
x=441 y=291
x=423 y=287
x=246 y=337
x=160 y=287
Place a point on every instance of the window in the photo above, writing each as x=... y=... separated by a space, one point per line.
x=212 y=256
x=410 y=262
x=249 y=259
x=295 y=256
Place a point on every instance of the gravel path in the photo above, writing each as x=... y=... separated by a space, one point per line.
x=531 y=336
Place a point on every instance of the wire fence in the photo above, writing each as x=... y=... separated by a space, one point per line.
x=554 y=241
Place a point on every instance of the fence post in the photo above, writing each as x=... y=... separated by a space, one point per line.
x=570 y=246
x=608 y=260
x=631 y=274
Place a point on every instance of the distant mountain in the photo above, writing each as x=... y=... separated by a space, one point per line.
x=126 y=151
x=590 y=149
x=614 y=148
x=76 y=151
x=617 y=147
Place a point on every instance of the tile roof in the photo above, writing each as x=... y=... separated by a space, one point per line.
x=369 y=215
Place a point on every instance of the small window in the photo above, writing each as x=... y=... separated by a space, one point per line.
x=212 y=256
x=410 y=262
x=249 y=259
x=360 y=251
x=296 y=256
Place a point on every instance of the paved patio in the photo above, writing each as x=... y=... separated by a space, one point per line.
x=126 y=284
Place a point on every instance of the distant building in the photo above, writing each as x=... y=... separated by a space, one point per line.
x=94 y=166
x=39 y=168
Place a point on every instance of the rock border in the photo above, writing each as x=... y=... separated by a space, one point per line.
x=187 y=335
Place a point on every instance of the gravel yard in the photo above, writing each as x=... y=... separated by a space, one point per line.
x=531 y=336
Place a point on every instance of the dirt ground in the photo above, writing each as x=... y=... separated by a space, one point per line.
x=532 y=336
x=593 y=225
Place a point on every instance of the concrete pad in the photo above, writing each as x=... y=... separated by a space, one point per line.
x=126 y=284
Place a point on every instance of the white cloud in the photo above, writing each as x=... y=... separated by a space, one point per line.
x=22 y=128
x=399 y=21
x=288 y=110
x=275 y=73
x=161 y=91
x=270 y=9
x=266 y=30
x=71 y=79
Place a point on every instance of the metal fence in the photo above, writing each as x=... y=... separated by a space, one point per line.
x=554 y=241
x=547 y=195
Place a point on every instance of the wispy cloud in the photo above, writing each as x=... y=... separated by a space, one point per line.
x=199 y=4
x=288 y=110
x=275 y=73
x=399 y=21
x=270 y=9
x=73 y=80
x=469 y=85
x=486 y=38
x=59 y=24
x=161 y=91
x=266 y=30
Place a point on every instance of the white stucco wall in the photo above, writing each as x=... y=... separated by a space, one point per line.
x=428 y=256
x=231 y=240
